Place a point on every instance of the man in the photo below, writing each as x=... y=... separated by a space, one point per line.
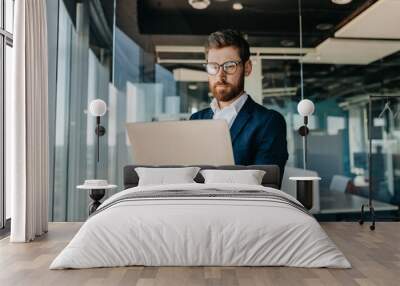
x=258 y=134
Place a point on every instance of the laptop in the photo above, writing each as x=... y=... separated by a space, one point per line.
x=193 y=142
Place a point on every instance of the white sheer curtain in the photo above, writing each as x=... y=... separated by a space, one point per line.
x=28 y=123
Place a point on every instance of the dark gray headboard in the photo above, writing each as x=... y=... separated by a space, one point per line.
x=271 y=177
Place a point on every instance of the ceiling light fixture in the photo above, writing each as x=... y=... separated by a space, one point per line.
x=199 y=4
x=341 y=2
x=324 y=26
x=192 y=86
x=287 y=43
x=237 y=6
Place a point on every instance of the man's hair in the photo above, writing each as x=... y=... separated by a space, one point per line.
x=227 y=38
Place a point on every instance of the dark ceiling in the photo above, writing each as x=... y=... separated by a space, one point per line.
x=267 y=23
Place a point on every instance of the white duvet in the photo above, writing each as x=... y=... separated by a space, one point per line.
x=200 y=231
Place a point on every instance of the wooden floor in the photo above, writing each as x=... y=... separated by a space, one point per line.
x=375 y=257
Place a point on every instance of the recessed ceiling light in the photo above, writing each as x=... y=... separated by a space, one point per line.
x=324 y=26
x=192 y=86
x=341 y=2
x=237 y=6
x=287 y=43
x=199 y=4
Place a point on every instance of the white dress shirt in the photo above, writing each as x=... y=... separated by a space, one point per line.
x=229 y=112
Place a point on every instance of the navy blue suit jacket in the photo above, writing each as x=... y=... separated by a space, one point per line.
x=258 y=135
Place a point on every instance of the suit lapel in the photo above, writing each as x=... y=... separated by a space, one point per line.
x=241 y=119
x=208 y=114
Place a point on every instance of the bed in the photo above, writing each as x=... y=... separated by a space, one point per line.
x=198 y=224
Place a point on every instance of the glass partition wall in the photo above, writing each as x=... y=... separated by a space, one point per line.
x=144 y=58
x=83 y=65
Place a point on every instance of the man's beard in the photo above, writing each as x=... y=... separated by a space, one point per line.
x=228 y=92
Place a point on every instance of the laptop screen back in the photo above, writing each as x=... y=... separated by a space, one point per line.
x=194 y=142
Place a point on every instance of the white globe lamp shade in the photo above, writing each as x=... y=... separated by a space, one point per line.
x=97 y=107
x=305 y=107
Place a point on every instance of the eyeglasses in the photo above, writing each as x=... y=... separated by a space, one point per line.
x=228 y=67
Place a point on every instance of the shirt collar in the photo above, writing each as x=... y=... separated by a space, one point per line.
x=236 y=105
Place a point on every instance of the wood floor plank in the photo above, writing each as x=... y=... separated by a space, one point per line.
x=374 y=255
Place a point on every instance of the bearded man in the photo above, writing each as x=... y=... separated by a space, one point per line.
x=258 y=134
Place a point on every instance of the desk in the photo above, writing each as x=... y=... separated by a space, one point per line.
x=333 y=202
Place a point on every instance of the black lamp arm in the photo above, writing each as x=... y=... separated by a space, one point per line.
x=100 y=131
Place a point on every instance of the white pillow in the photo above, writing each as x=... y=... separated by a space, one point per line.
x=162 y=176
x=248 y=177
